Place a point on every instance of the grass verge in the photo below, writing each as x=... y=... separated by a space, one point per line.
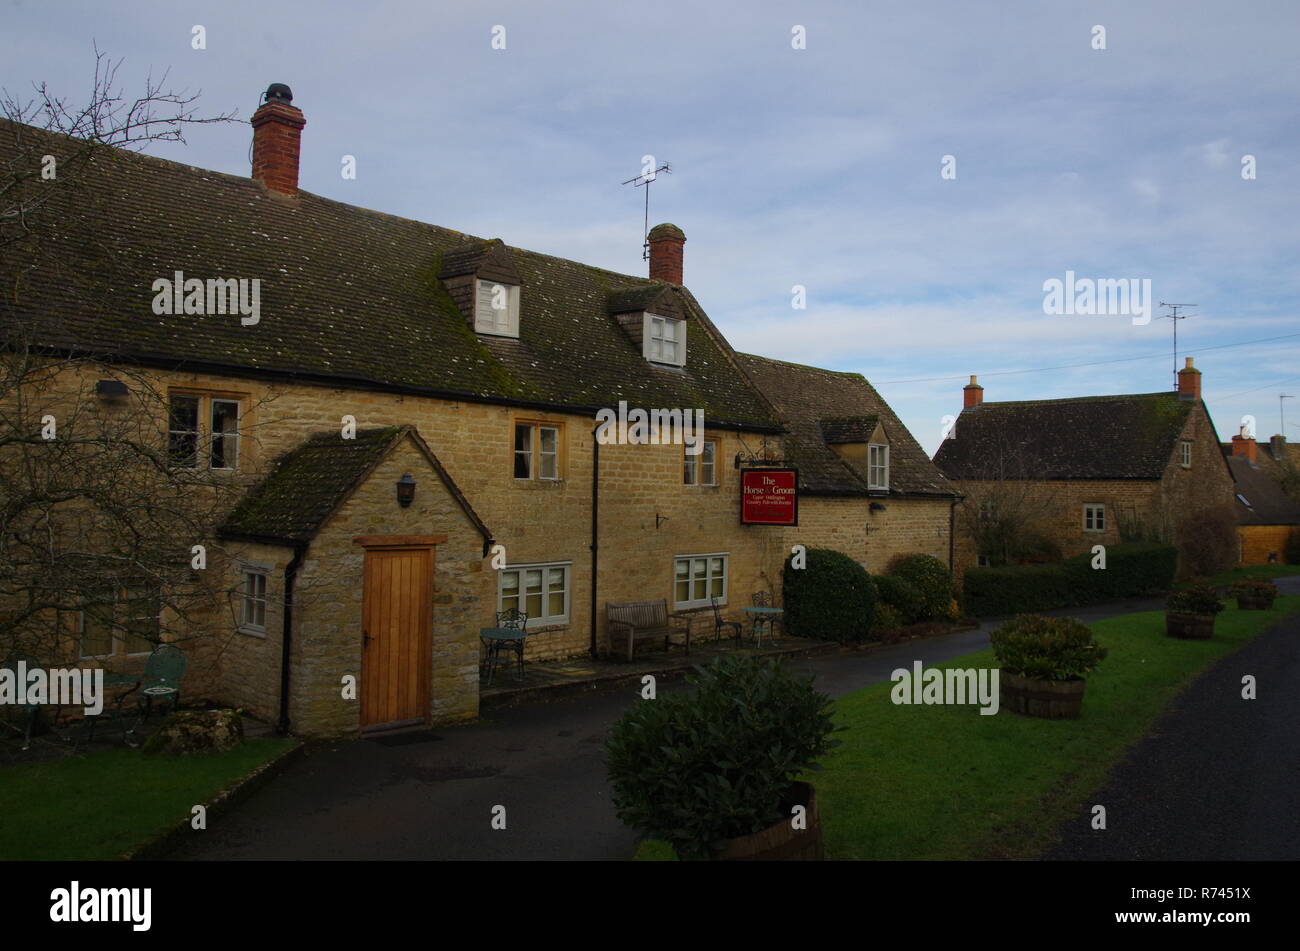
x=106 y=803
x=945 y=782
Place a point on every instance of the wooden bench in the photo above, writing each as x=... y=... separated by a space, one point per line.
x=641 y=620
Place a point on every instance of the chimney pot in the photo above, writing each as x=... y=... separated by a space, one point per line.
x=972 y=394
x=277 y=131
x=666 y=241
x=1189 y=382
x=1243 y=445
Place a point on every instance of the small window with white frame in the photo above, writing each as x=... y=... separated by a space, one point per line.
x=203 y=431
x=126 y=622
x=877 y=466
x=665 y=340
x=540 y=591
x=698 y=579
x=702 y=467
x=252 y=609
x=1185 y=453
x=538 y=450
x=1094 y=517
x=496 y=308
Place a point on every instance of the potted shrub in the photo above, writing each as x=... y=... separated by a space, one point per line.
x=1189 y=613
x=1044 y=661
x=1254 y=595
x=713 y=771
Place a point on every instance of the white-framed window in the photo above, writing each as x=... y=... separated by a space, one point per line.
x=496 y=308
x=203 y=431
x=699 y=578
x=252 y=608
x=665 y=340
x=1185 y=453
x=983 y=561
x=124 y=622
x=988 y=510
x=877 y=466
x=701 y=469
x=1094 y=517
x=541 y=591
x=537 y=451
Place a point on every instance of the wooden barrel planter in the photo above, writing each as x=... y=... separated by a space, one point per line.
x=1191 y=627
x=1050 y=699
x=781 y=842
x=1253 y=603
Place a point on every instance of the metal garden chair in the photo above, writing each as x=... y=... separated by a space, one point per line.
x=763 y=622
x=720 y=625
x=28 y=711
x=511 y=619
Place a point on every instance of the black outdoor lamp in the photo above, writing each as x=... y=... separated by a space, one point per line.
x=405 y=490
x=877 y=506
x=110 y=388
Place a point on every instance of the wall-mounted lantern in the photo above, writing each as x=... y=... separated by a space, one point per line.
x=110 y=388
x=877 y=506
x=405 y=490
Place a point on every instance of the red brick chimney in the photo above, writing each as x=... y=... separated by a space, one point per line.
x=1243 y=445
x=1189 y=382
x=972 y=394
x=277 y=129
x=666 y=253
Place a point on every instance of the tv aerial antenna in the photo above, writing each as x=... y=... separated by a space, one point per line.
x=1174 y=316
x=645 y=179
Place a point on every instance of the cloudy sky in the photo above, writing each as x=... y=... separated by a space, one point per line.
x=821 y=167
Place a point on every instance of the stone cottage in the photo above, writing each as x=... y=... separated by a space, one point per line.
x=407 y=420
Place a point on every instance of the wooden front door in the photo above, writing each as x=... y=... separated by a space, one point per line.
x=396 y=629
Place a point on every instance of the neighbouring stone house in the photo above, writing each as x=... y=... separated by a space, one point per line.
x=867 y=488
x=1062 y=475
x=1267 y=517
x=409 y=428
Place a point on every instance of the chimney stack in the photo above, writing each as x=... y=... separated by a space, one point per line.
x=1189 y=382
x=1243 y=445
x=1277 y=446
x=972 y=394
x=666 y=253
x=277 y=129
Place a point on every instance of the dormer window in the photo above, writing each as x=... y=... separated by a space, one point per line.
x=496 y=308
x=878 y=467
x=665 y=340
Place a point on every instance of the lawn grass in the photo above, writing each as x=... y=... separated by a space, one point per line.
x=1251 y=573
x=106 y=803
x=945 y=782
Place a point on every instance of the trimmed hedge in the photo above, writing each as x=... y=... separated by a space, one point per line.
x=900 y=596
x=1131 y=570
x=831 y=598
x=931 y=579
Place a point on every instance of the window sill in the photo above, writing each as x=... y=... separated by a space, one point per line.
x=539 y=483
x=253 y=631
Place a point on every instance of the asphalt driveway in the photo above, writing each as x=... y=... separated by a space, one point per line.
x=431 y=795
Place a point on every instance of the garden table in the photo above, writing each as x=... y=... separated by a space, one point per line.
x=498 y=639
x=763 y=617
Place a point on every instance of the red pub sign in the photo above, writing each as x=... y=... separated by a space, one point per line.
x=769 y=496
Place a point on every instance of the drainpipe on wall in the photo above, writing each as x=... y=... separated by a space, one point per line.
x=286 y=637
x=952 y=536
x=595 y=502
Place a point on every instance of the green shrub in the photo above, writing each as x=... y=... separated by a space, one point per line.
x=831 y=598
x=887 y=616
x=900 y=595
x=930 y=577
x=1132 y=570
x=1046 y=648
x=1198 y=599
x=696 y=768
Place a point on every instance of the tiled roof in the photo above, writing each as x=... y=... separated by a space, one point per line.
x=808 y=398
x=1265 y=502
x=347 y=295
x=1092 y=437
x=307 y=484
x=847 y=429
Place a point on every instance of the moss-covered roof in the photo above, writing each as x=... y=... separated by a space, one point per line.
x=808 y=399
x=308 y=483
x=347 y=295
x=1091 y=437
